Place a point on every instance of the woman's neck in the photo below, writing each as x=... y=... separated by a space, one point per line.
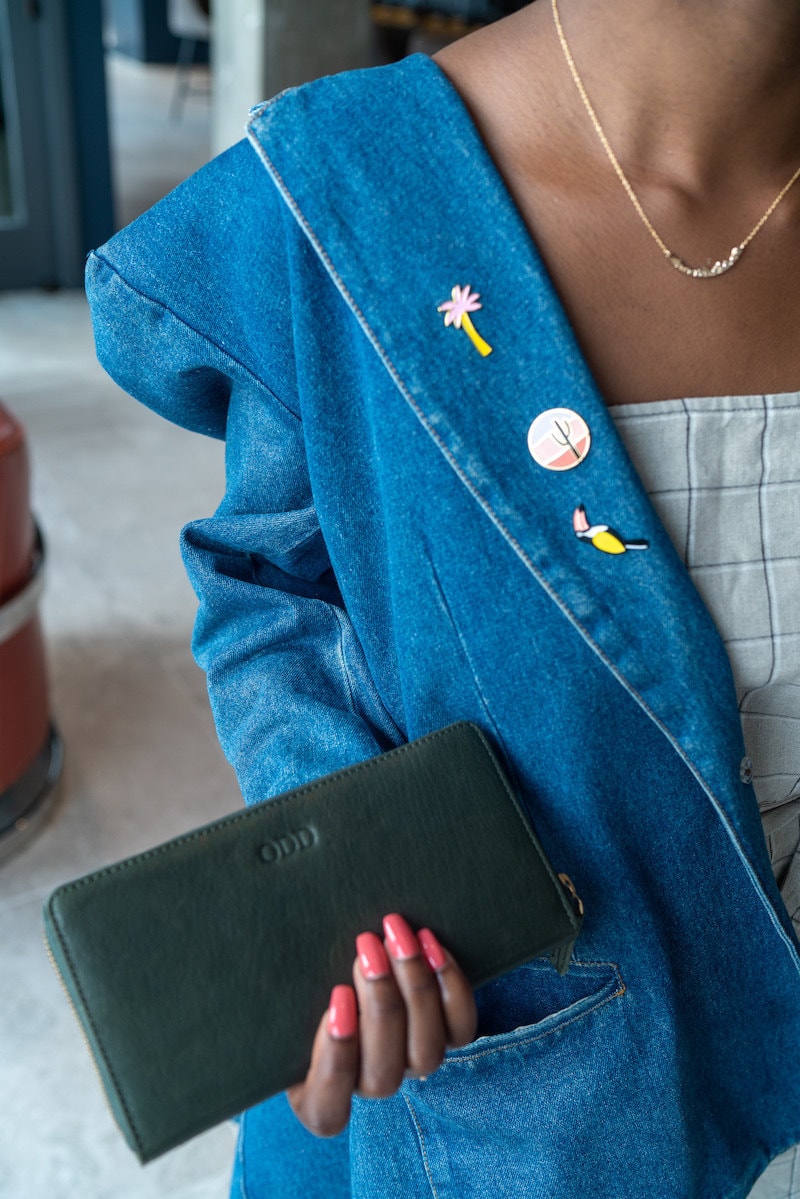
x=700 y=101
x=697 y=92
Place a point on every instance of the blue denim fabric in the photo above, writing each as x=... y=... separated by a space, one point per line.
x=387 y=559
x=275 y=1156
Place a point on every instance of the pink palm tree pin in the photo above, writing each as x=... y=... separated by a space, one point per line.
x=456 y=312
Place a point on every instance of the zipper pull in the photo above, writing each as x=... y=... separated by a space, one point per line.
x=574 y=897
x=560 y=957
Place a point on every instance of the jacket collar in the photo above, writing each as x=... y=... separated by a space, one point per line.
x=411 y=204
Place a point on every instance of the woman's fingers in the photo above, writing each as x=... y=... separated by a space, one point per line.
x=413 y=1001
x=402 y=1026
x=322 y=1102
x=457 y=997
x=426 y=1034
x=383 y=1020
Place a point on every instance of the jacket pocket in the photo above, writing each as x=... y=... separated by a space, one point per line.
x=526 y=1101
x=533 y=1002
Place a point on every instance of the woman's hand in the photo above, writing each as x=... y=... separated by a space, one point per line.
x=411 y=1002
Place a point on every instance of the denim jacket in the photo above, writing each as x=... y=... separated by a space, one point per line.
x=388 y=558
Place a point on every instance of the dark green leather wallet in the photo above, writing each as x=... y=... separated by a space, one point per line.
x=200 y=969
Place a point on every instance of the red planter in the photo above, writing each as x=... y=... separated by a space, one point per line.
x=30 y=749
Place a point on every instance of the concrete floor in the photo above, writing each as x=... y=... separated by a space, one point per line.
x=112 y=485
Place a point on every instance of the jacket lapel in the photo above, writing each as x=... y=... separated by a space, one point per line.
x=402 y=214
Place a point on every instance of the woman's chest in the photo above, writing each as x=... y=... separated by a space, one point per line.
x=649 y=332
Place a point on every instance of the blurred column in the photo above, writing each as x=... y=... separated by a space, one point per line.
x=55 y=190
x=264 y=46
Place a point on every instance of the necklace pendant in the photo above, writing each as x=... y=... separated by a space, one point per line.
x=706 y=272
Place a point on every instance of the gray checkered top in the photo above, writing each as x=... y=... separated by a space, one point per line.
x=723 y=474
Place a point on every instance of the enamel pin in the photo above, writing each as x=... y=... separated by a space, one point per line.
x=559 y=439
x=456 y=312
x=603 y=537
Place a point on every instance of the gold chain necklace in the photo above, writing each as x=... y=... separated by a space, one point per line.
x=694 y=272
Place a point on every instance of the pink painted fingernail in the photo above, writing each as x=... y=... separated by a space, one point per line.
x=434 y=954
x=342 y=1013
x=401 y=941
x=372 y=956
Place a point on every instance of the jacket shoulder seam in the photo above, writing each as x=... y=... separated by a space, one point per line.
x=143 y=295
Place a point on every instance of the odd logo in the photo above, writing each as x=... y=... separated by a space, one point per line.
x=288 y=844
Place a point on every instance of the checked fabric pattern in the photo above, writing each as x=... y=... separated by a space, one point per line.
x=723 y=474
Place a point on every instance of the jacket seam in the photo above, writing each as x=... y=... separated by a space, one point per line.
x=514 y=543
x=556 y=1028
x=353 y=688
x=468 y=658
x=343 y=660
x=423 y=1147
x=143 y=295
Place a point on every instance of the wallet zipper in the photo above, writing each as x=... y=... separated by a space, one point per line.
x=575 y=899
x=84 y=1037
x=561 y=957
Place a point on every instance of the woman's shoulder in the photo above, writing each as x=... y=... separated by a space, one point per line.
x=201 y=278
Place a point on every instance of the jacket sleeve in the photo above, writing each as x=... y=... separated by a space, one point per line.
x=290 y=688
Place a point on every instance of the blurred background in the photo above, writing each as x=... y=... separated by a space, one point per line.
x=106 y=740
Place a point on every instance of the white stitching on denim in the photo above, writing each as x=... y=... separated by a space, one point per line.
x=515 y=545
x=516 y=1045
x=422 y=1146
x=548 y=1032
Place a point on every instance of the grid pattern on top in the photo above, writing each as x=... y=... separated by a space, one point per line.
x=782 y=1178
x=723 y=474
